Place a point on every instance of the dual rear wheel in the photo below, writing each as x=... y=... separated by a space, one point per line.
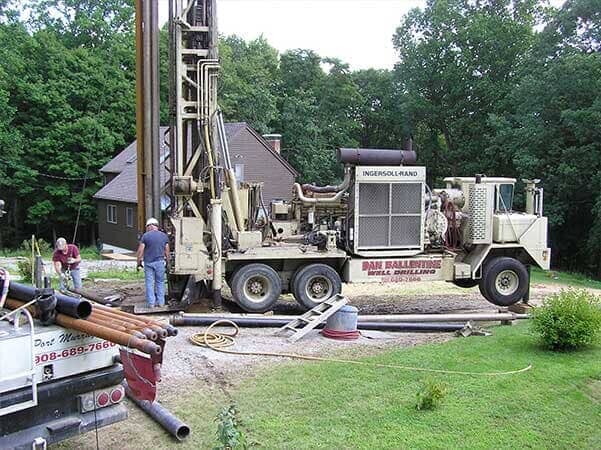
x=256 y=287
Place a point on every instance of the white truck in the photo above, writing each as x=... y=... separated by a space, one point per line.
x=55 y=383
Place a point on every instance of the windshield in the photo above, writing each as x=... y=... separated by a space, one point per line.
x=505 y=201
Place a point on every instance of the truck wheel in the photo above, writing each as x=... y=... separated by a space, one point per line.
x=466 y=283
x=314 y=284
x=504 y=281
x=256 y=287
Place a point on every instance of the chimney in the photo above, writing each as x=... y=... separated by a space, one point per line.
x=274 y=141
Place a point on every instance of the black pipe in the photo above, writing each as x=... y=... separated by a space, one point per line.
x=276 y=323
x=376 y=157
x=161 y=415
x=71 y=306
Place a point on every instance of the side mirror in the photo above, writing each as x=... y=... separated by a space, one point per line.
x=2 y=212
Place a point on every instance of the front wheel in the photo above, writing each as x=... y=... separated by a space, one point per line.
x=504 y=281
x=314 y=284
x=256 y=287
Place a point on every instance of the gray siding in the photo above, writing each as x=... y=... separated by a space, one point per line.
x=119 y=234
x=260 y=165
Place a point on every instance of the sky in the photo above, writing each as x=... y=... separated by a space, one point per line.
x=358 y=32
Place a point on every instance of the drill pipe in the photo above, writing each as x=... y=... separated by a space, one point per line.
x=112 y=325
x=410 y=318
x=93 y=329
x=171 y=330
x=70 y=306
x=167 y=420
x=147 y=332
x=276 y=323
x=134 y=320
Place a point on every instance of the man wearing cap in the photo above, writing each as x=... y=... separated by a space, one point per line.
x=66 y=259
x=154 y=251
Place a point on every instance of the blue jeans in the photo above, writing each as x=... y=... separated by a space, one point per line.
x=75 y=276
x=154 y=275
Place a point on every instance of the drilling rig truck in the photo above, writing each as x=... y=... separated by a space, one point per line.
x=382 y=224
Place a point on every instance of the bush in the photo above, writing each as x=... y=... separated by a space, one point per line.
x=229 y=435
x=569 y=320
x=25 y=270
x=44 y=247
x=430 y=394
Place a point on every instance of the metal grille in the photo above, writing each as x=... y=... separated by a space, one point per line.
x=374 y=198
x=406 y=198
x=480 y=203
x=373 y=231
x=389 y=215
x=405 y=231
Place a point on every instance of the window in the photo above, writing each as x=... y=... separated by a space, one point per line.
x=129 y=217
x=239 y=170
x=111 y=213
x=505 y=198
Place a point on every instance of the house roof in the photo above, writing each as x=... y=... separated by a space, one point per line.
x=129 y=154
x=123 y=188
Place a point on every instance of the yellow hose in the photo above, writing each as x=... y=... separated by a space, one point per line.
x=219 y=342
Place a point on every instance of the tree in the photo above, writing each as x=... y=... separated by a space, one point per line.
x=72 y=102
x=551 y=130
x=457 y=62
x=249 y=81
x=382 y=119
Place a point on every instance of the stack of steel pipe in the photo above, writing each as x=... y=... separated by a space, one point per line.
x=71 y=306
x=103 y=322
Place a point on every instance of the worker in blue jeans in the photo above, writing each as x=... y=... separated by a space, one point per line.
x=154 y=252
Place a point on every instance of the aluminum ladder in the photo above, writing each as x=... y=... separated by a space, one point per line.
x=304 y=324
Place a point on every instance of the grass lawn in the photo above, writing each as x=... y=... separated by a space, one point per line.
x=326 y=405
x=113 y=274
x=564 y=278
x=557 y=404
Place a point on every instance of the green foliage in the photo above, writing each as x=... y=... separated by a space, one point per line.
x=25 y=269
x=502 y=87
x=229 y=435
x=249 y=81
x=569 y=320
x=430 y=394
x=41 y=246
x=114 y=274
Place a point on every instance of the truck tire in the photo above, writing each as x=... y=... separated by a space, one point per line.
x=504 y=281
x=256 y=287
x=314 y=284
x=466 y=283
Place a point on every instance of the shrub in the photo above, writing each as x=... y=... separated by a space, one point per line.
x=569 y=320
x=43 y=246
x=230 y=437
x=25 y=270
x=430 y=394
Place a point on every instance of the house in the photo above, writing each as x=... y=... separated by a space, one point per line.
x=255 y=159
